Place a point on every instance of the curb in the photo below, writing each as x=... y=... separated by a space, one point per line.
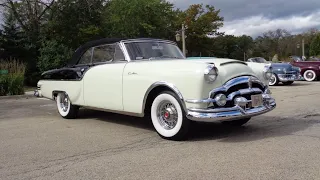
x=24 y=96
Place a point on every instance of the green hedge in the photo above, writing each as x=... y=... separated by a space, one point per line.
x=11 y=77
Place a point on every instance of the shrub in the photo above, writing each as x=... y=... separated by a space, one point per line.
x=12 y=82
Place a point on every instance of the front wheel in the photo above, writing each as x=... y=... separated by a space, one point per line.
x=273 y=80
x=239 y=122
x=309 y=75
x=168 y=117
x=65 y=108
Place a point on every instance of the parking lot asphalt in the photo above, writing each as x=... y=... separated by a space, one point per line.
x=36 y=143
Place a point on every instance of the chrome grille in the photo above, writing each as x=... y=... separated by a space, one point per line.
x=243 y=86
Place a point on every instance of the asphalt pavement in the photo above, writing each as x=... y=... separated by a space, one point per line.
x=36 y=143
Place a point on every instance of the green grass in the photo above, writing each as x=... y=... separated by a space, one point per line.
x=13 y=82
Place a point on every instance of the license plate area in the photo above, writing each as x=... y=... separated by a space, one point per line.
x=256 y=100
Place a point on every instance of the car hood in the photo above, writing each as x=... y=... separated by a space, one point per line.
x=281 y=66
x=228 y=68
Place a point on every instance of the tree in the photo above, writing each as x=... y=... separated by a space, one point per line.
x=315 y=46
x=53 y=54
x=74 y=22
x=139 y=18
x=12 y=38
x=200 y=22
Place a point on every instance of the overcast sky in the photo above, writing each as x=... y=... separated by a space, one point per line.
x=253 y=17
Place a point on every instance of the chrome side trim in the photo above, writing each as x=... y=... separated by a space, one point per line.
x=114 y=111
x=125 y=51
x=169 y=85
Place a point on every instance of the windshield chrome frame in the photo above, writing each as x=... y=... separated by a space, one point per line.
x=125 y=51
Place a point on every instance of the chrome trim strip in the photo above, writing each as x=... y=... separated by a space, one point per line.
x=114 y=111
x=169 y=85
x=125 y=51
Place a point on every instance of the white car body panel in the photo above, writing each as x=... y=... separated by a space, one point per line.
x=102 y=86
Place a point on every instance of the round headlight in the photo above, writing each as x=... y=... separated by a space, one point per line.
x=210 y=73
x=284 y=70
x=221 y=99
x=267 y=72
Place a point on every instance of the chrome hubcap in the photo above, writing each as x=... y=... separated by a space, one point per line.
x=309 y=75
x=272 y=79
x=64 y=102
x=167 y=115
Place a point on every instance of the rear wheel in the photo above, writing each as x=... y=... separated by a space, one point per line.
x=288 y=82
x=168 y=117
x=65 y=108
x=239 y=122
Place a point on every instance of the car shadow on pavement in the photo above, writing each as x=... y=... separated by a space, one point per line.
x=255 y=129
x=294 y=84
x=115 y=118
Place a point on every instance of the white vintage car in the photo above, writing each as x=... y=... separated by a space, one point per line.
x=152 y=78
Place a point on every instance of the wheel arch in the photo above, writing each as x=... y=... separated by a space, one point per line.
x=309 y=68
x=157 y=88
x=56 y=92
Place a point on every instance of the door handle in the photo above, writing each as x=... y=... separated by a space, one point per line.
x=131 y=73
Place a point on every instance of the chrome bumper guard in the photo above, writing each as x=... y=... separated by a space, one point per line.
x=240 y=110
x=288 y=77
x=228 y=114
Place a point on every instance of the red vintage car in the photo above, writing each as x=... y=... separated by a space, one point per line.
x=310 y=70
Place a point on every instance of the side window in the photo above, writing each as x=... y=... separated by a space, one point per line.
x=103 y=53
x=119 y=56
x=86 y=57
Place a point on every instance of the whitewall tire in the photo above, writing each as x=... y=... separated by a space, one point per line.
x=273 y=80
x=65 y=108
x=309 y=75
x=168 y=117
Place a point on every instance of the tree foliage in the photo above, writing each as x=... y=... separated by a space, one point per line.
x=139 y=18
x=315 y=46
x=200 y=22
x=53 y=54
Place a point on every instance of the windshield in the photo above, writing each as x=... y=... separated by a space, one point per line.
x=153 y=50
x=296 y=58
x=261 y=60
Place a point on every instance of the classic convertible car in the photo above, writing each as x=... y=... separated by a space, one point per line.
x=152 y=78
x=281 y=72
x=310 y=70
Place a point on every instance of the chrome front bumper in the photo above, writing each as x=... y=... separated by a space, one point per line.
x=241 y=109
x=233 y=113
x=288 y=77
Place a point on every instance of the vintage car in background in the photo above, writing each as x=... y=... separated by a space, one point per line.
x=152 y=78
x=310 y=70
x=281 y=72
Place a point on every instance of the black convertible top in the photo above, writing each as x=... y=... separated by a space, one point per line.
x=83 y=48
